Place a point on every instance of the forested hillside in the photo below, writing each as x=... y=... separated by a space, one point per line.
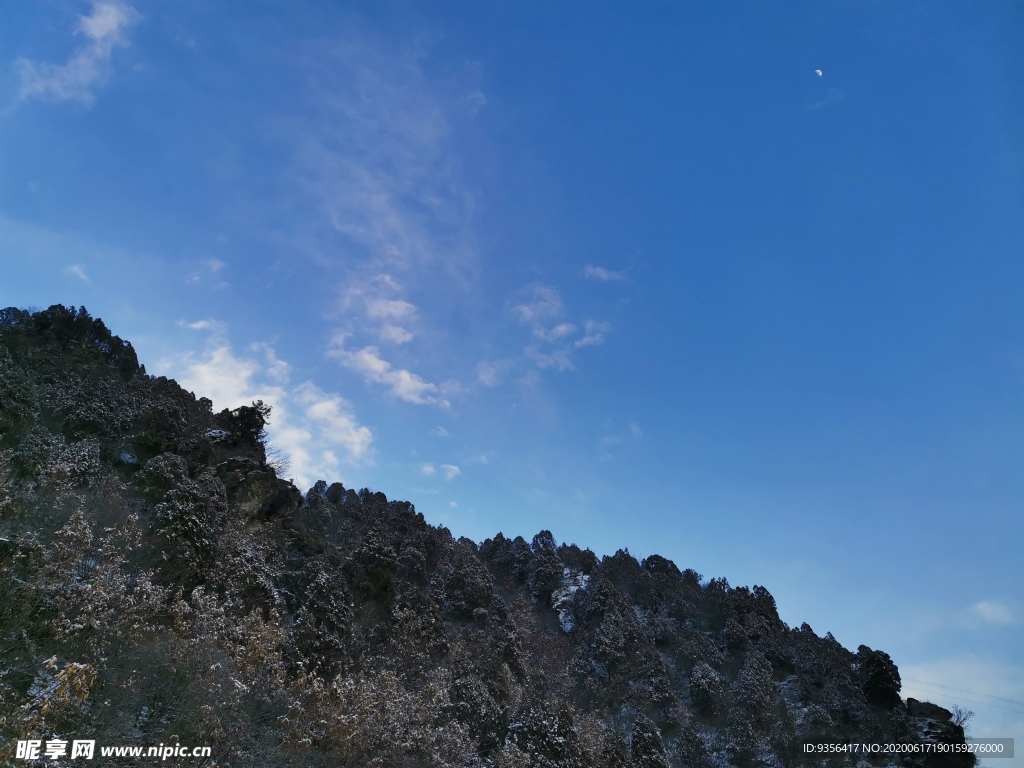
x=159 y=583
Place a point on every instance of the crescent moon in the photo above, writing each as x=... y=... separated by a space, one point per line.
x=817 y=72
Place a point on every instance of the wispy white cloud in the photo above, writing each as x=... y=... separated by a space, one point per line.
x=317 y=429
x=427 y=469
x=489 y=373
x=389 y=309
x=592 y=272
x=207 y=269
x=332 y=417
x=995 y=612
x=379 y=160
x=402 y=383
x=369 y=308
x=542 y=309
x=593 y=334
x=450 y=471
x=554 y=334
x=229 y=381
x=557 y=359
x=395 y=334
x=276 y=369
x=214 y=327
x=832 y=96
x=88 y=67
x=541 y=304
x=439 y=432
x=531 y=378
x=77 y=270
x=988 y=615
x=614 y=439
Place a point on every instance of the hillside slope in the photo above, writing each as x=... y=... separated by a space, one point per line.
x=160 y=584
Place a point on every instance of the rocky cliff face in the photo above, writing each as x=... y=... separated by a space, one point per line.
x=159 y=583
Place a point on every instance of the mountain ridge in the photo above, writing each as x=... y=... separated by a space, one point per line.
x=159 y=581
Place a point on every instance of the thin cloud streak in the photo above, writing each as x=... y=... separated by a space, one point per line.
x=593 y=334
x=592 y=272
x=832 y=96
x=77 y=270
x=489 y=373
x=89 y=66
x=380 y=162
x=994 y=612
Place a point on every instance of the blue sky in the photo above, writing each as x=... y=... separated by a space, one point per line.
x=632 y=272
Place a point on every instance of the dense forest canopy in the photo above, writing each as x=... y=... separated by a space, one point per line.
x=159 y=583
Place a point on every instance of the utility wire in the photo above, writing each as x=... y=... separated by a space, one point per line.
x=964 y=690
x=974 y=701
